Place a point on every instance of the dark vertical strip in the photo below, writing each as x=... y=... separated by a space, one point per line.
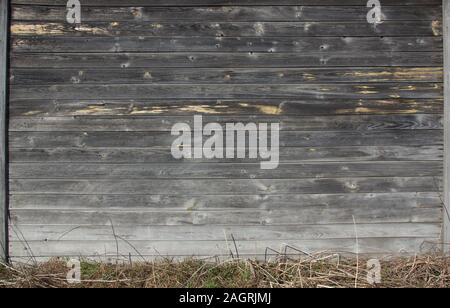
x=446 y=229
x=3 y=101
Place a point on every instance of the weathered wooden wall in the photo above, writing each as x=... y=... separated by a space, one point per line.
x=360 y=106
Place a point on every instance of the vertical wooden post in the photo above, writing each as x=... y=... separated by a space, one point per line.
x=446 y=225
x=3 y=102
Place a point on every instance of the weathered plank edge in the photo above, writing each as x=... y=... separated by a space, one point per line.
x=446 y=224
x=4 y=13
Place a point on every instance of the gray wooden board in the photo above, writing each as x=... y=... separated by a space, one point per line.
x=108 y=249
x=221 y=171
x=287 y=139
x=446 y=215
x=227 y=2
x=46 y=233
x=300 y=216
x=287 y=155
x=224 y=60
x=200 y=28
x=219 y=44
x=217 y=202
x=208 y=91
x=165 y=123
x=225 y=76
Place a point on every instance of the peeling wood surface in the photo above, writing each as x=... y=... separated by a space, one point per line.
x=361 y=110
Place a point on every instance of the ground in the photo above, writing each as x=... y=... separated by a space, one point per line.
x=317 y=272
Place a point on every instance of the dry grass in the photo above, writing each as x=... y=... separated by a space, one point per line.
x=317 y=272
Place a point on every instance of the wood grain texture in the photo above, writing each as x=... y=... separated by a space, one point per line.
x=224 y=107
x=226 y=76
x=194 y=44
x=287 y=139
x=253 y=249
x=299 y=216
x=219 y=171
x=287 y=123
x=4 y=11
x=225 y=60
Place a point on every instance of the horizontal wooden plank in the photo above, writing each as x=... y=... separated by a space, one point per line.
x=222 y=202
x=223 y=218
x=223 y=171
x=225 y=76
x=151 y=250
x=49 y=233
x=288 y=155
x=164 y=123
x=225 y=60
x=234 y=187
x=265 y=107
x=161 y=139
x=219 y=44
x=214 y=91
x=226 y=29
x=224 y=2
x=230 y=13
